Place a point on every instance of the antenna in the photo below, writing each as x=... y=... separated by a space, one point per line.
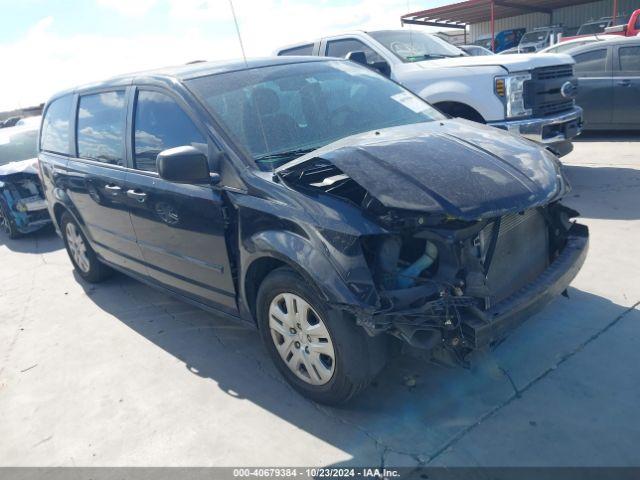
x=246 y=64
x=235 y=20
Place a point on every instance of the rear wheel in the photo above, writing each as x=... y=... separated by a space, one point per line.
x=7 y=223
x=323 y=354
x=83 y=257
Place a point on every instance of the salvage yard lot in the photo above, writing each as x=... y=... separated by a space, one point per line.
x=118 y=374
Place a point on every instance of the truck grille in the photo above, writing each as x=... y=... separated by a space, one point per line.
x=547 y=73
x=521 y=254
x=543 y=92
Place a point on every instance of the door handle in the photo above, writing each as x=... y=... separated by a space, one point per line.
x=136 y=195
x=624 y=83
x=113 y=189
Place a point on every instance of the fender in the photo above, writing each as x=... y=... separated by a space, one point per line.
x=460 y=85
x=63 y=201
x=302 y=256
x=443 y=91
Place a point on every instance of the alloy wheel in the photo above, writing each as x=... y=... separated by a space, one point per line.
x=77 y=247
x=301 y=338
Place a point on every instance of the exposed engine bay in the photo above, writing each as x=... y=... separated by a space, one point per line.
x=444 y=281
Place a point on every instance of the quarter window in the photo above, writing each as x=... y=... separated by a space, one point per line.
x=101 y=123
x=160 y=124
x=591 y=64
x=55 y=127
x=341 y=48
x=629 y=59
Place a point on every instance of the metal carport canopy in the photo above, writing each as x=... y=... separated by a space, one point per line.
x=458 y=15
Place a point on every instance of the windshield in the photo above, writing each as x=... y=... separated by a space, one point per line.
x=534 y=37
x=18 y=144
x=483 y=42
x=281 y=112
x=591 y=28
x=413 y=46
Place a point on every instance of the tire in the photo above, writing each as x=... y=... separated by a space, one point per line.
x=355 y=357
x=83 y=257
x=7 y=223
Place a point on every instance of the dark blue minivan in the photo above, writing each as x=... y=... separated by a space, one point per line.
x=315 y=199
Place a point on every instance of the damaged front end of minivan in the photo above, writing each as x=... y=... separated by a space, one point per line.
x=472 y=235
x=23 y=208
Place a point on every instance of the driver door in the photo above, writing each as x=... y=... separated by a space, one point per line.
x=180 y=228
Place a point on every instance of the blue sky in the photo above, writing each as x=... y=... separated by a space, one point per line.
x=77 y=41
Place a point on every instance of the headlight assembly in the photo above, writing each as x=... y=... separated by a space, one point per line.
x=511 y=89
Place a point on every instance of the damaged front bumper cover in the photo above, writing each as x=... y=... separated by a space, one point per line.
x=471 y=327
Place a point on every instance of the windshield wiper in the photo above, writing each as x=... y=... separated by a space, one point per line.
x=272 y=158
x=426 y=56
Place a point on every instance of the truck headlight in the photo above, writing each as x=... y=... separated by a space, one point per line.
x=511 y=89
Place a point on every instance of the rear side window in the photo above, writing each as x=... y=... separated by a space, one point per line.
x=101 y=123
x=160 y=123
x=301 y=50
x=341 y=48
x=591 y=64
x=55 y=126
x=629 y=59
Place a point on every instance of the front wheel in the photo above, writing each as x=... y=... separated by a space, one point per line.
x=323 y=354
x=84 y=259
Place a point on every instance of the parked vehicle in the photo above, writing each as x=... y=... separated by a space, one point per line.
x=315 y=199
x=22 y=206
x=504 y=40
x=564 y=47
x=629 y=29
x=540 y=38
x=9 y=122
x=475 y=50
x=609 y=83
x=488 y=89
x=595 y=27
x=510 y=51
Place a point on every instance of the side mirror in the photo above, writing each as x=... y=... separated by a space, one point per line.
x=360 y=57
x=183 y=165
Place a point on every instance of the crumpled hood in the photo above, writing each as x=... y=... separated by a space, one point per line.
x=511 y=62
x=456 y=167
x=23 y=166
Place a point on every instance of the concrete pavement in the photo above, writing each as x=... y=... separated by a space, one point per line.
x=118 y=374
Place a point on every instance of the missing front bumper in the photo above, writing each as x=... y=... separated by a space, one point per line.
x=485 y=328
x=457 y=321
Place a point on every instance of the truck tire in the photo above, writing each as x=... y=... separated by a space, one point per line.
x=321 y=352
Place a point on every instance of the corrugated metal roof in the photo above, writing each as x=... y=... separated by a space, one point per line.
x=572 y=16
x=475 y=11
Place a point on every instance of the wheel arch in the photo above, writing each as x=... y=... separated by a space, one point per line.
x=460 y=109
x=276 y=249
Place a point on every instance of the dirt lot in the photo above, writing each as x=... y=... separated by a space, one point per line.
x=118 y=374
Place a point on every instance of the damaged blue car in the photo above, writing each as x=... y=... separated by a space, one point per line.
x=22 y=206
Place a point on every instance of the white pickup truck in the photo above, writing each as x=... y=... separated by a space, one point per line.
x=529 y=94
